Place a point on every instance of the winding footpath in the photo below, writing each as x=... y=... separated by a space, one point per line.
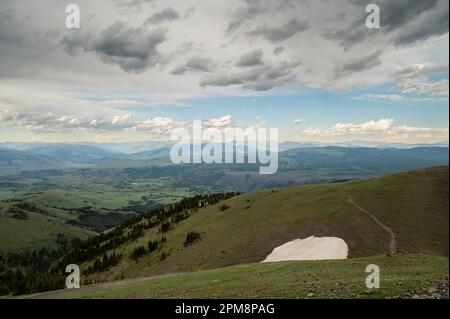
x=393 y=243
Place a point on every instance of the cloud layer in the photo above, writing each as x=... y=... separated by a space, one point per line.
x=149 y=53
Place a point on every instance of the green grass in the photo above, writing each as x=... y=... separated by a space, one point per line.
x=112 y=192
x=35 y=232
x=414 y=204
x=400 y=275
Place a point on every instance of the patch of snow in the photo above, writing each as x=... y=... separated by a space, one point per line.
x=311 y=248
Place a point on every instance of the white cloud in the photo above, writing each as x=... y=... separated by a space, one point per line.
x=438 y=88
x=382 y=127
x=390 y=97
x=220 y=122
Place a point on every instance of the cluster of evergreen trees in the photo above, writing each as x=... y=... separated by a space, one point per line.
x=138 y=252
x=165 y=227
x=191 y=237
x=152 y=245
x=27 y=272
x=17 y=282
x=104 y=264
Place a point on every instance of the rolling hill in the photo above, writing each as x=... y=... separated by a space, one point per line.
x=27 y=227
x=49 y=156
x=246 y=228
x=12 y=161
x=75 y=154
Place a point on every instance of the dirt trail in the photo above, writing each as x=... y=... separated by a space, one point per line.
x=93 y=287
x=393 y=243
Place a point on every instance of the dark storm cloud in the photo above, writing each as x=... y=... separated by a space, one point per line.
x=133 y=49
x=167 y=14
x=260 y=78
x=253 y=8
x=195 y=64
x=278 y=34
x=358 y=64
x=76 y=43
x=417 y=71
x=395 y=14
x=278 y=50
x=348 y=37
x=406 y=21
x=251 y=59
x=432 y=24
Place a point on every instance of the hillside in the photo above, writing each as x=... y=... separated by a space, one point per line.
x=404 y=276
x=74 y=154
x=12 y=161
x=35 y=222
x=36 y=232
x=246 y=228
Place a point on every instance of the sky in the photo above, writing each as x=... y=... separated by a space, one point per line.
x=137 y=69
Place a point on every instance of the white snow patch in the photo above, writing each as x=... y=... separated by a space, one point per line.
x=311 y=248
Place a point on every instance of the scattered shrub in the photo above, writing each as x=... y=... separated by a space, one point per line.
x=165 y=227
x=104 y=264
x=138 y=252
x=17 y=213
x=224 y=207
x=191 y=237
x=152 y=245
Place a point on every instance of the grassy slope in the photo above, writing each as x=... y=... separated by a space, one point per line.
x=414 y=204
x=39 y=229
x=400 y=275
x=35 y=232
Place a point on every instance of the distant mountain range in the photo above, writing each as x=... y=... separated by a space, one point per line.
x=301 y=165
x=145 y=146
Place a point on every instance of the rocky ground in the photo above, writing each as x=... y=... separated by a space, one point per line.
x=440 y=291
